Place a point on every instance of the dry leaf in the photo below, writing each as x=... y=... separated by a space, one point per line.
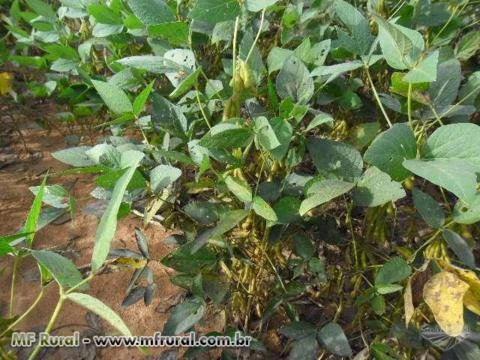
x=5 y=83
x=408 y=300
x=444 y=295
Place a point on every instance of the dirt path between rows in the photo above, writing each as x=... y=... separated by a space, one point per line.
x=74 y=239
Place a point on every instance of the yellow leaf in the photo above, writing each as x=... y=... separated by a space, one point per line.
x=5 y=83
x=408 y=300
x=466 y=275
x=133 y=263
x=472 y=302
x=444 y=295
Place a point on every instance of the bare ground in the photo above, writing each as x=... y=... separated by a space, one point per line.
x=21 y=168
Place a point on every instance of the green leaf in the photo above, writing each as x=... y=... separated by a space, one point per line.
x=428 y=208
x=294 y=81
x=303 y=246
x=184 y=316
x=215 y=11
x=391 y=148
x=227 y=222
x=400 y=86
x=444 y=90
x=5 y=241
x=186 y=84
x=276 y=58
x=114 y=97
x=184 y=60
x=335 y=158
x=75 y=156
x=102 y=310
x=53 y=195
x=142 y=242
x=388 y=288
x=176 y=33
x=62 y=269
x=33 y=216
x=305 y=348
x=378 y=304
x=283 y=132
x=42 y=8
x=468 y=45
x=471 y=89
x=230 y=138
x=377 y=188
x=257 y=5
x=394 y=270
x=425 y=71
x=334 y=71
x=141 y=99
x=287 y=209
x=356 y=23
x=134 y=296
x=319 y=119
x=184 y=260
x=334 y=339
x=467 y=212
x=151 y=12
x=108 y=223
x=322 y=191
x=61 y=51
x=239 y=188
x=455 y=141
x=152 y=63
x=460 y=248
x=262 y=208
x=104 y=15
x=168 y=117
x=456 y=175
x=362 y=134
x=162 y=176
x=205 y=213
x=265 y=134
x=297 y=330
x=401 y=46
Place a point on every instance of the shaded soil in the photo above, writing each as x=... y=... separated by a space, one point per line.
x=21 y=168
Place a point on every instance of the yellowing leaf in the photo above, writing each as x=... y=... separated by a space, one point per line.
x=408 y=301
x=5 y=83
x=130 y=262
x=472 y=302
x=444 y=295
x=467 y=276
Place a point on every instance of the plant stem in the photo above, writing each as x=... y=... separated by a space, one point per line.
x=12 y=286
x=409 y=105
x=429 y=240
x=84 y=281
x=50 y=324
x=377 y=97
x=256 y=37
x=25 y=314
x=234 y=64
x=201 y=107
x=352 y=231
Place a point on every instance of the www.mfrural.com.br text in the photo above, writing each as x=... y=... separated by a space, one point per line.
x=27 y=339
